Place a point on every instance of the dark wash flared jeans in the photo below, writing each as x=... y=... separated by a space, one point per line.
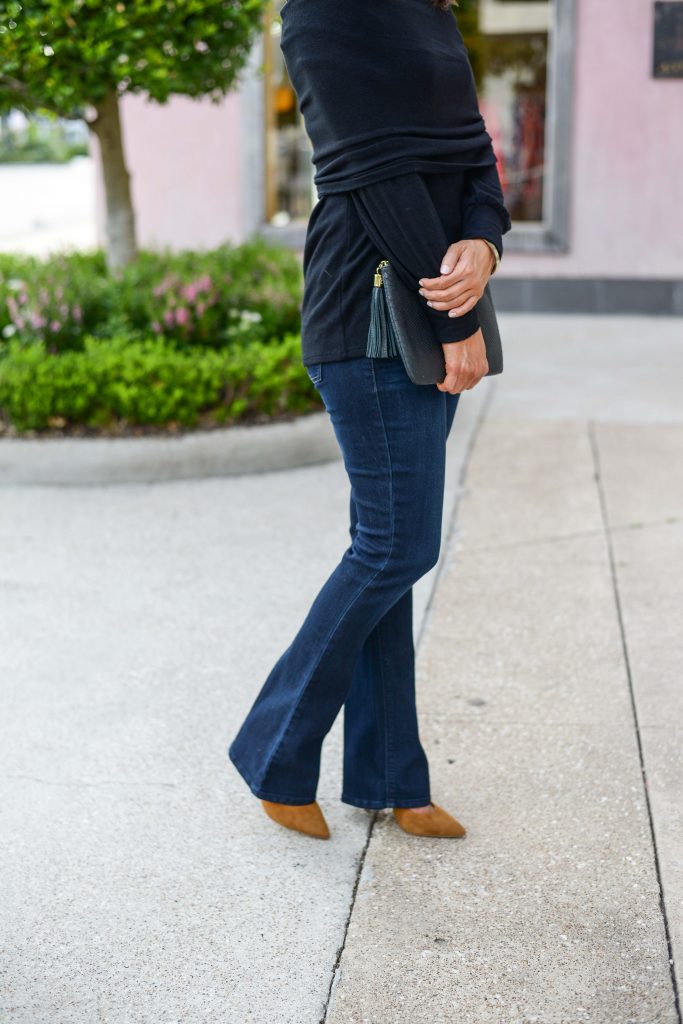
x=355 y=646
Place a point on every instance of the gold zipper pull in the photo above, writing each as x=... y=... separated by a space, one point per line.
x=378 y=275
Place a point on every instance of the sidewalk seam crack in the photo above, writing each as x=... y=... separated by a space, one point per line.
x=354 y=892
x=592 y=436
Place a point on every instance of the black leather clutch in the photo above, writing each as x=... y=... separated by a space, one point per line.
x=400 y=325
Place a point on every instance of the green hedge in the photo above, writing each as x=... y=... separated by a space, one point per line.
x=176 y=339
x=116 y=381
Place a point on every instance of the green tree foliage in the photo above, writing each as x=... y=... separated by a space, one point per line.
x=76 y=58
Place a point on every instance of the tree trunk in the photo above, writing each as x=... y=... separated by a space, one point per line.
x=121 y=242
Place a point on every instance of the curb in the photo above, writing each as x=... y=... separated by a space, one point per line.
x=232 y=451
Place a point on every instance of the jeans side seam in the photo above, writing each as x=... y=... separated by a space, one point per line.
x=379 y=632
x=355 y=597
x=387 y=770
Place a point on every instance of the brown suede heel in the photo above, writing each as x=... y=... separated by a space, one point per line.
x=436 y=823
x=306 y=818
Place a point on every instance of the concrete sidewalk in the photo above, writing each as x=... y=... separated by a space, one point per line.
x=141 y=880
x=551 y=703
x=143 y=883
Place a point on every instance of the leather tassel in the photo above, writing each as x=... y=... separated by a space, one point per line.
x=381 y=337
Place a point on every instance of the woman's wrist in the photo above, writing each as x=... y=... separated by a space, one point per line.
x=495 y=261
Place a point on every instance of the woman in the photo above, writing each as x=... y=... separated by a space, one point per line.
x=404 y=166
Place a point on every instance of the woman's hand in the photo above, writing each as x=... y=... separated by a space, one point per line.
x=466 y=364
x=465 y=270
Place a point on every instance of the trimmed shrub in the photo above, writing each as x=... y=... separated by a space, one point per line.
x=119 y=382
x=174 y=340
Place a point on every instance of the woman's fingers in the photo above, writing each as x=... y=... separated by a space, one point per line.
x=452 y=293
x=432 y=287
x=458 y=378
x=465 y=364
x=474 y=381
x=462 y=285
x=455 y=295
x=453 y=298
x=455 y=383
x=466 y=306
x=450 y=260
x=450 y=384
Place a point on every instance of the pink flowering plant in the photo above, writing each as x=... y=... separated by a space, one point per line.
x=226 y=296
x=46 y=314
x=55 y=303
x=197 y=312
x=230 y=295
x=186 y=311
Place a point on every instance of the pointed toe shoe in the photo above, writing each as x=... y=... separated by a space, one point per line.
x=436 y=822
x=306 y=818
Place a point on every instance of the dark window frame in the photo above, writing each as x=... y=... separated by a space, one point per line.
x=552 y=233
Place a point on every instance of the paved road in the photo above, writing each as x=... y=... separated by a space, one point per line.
x=47 y=207
x=142 y=881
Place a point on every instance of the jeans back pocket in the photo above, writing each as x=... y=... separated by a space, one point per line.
x=315 y=373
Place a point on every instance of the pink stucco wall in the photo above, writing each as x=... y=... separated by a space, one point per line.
x=626 y=199
x=186 y=169
x=627 y=153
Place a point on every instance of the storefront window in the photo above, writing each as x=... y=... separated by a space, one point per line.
x=289 y=175
x=515 y=58
x=508 y=45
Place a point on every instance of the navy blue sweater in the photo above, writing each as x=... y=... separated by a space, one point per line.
x=411 y=220
x=384 y=87
x=403 y=162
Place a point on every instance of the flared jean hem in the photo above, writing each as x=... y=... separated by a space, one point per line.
x=353 y=801
x=379 y=805
x=267 y=794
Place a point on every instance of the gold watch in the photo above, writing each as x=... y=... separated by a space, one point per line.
x=495 y=252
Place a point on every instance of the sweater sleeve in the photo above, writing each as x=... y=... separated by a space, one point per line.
x=400 y=219
x=483 y=209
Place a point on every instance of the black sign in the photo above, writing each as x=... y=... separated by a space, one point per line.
x=668 y=39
